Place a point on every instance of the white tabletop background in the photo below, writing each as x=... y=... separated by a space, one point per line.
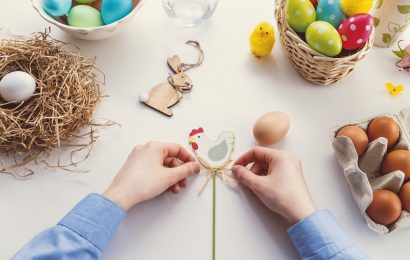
x=232 y=89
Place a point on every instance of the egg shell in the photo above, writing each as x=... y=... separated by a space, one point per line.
x=355 y=31
x=358 y=136
x=398 y=160
x=57 y=7
x=17 y=86
x=405 y=196
x=114 y=10
x=84 y=1
x=384 y=127
x=385 y=208
x=300 y=14
x=84 y=16
x=324 y=38
x=271 y=127
x=331 y=12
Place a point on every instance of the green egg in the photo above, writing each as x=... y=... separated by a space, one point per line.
x=324 y=38
x=84 y=16
x=300 y=14
x=85 y=1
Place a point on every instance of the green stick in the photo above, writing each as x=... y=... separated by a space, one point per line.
x=213 y=216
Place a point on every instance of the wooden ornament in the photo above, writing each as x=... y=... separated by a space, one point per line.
x=161 y=98
x=175 y=63
x=165 y=95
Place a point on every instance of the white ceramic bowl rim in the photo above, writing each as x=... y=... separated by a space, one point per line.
x=39 y=8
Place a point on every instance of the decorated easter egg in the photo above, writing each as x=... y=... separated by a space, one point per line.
x=84 y=1
x=323 y=38
x=17 y=86
x=97 y=5
x=355 y=31
x=57 y=7
x=331 y=12
x=84 y=16
x=300 y=14
x=114 y=10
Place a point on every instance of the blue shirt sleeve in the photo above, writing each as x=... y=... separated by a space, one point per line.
x=320 y=236
x=82 y=234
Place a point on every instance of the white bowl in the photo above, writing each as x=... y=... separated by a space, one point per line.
x=91 y=34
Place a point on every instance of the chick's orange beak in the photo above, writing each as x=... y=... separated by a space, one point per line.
x=191 y=139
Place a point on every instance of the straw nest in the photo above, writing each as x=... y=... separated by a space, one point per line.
x=59 y=114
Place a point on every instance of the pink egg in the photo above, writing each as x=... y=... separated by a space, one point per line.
x=355 y=31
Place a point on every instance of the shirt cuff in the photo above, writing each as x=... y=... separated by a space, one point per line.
x=95 y=218
x=319 y=234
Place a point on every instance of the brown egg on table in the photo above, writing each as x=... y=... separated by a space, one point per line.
x=398 y=160
x=385 y=208
x=384 y=127
x=405 y=196
x=358 y=136
x=271 y=127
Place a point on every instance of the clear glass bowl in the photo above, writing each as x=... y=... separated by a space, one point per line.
x=189 y=13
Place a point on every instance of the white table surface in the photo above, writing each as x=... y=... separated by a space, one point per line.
x=232 y=89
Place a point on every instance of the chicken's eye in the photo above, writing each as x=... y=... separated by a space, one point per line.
x=260 y=28
x=199 y=136
x=267 y=33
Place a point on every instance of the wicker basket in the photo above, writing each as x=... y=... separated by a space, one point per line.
x=312 y=65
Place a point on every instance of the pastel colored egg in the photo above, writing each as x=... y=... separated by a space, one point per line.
x=84 y=1
x=300 y=14
x=114 y=10
x=57 y=7
x=330 y=11
x=324 y=38
x=84 y=16
x=355 y=31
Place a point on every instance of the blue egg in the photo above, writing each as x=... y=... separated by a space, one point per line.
x=331 y=12
x=57 y=7
x=114 y=10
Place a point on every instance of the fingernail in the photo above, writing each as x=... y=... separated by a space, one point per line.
x=235 y=169
x=197 y=167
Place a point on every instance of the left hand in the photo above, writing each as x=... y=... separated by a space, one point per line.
x=149 y=171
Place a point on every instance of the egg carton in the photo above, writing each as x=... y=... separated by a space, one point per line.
x=364 y=174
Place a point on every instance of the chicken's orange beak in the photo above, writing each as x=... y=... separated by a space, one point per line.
x=191 y=139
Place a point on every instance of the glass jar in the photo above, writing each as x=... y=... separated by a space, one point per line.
x=189 y=13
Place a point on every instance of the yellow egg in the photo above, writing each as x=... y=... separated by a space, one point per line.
x=271 y=128
x=353 y=7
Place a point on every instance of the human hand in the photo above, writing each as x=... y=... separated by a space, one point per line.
x=149 y=171
x=277 y=179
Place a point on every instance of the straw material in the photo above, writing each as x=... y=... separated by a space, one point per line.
x=312 y=65
x=59 y=114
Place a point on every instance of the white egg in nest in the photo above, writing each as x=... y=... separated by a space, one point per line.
x=17 y=86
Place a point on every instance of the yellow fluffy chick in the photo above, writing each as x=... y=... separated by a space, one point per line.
x=262 y=40
x=353 y=7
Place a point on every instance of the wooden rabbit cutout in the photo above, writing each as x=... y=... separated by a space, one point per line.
x=165 y=95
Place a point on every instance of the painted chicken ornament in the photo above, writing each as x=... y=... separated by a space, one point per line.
x=217 y=152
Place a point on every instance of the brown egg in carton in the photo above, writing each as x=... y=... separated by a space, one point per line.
x=364 y=174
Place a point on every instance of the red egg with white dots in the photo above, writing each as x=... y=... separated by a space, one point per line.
x=355 y=31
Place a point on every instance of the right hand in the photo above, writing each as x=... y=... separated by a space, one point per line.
x=277 y=179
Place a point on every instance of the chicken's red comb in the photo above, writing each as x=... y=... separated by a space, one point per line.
x=196 y=131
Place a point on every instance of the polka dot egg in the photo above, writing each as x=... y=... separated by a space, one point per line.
x=330 y=11
x=324 y=38
x=355 y=31
x=300 y=14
